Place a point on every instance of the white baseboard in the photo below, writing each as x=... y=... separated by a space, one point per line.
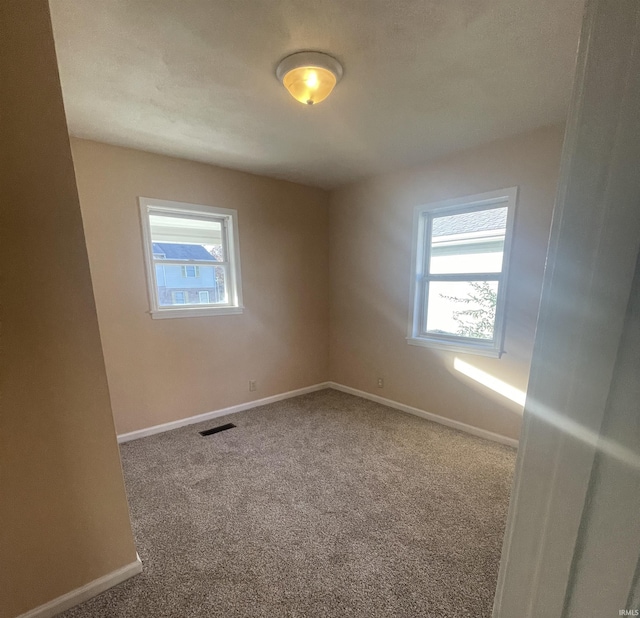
x=207 y=416
x=476 y=431
x=86 y=592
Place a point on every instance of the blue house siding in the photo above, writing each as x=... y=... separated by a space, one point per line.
x=172 y=278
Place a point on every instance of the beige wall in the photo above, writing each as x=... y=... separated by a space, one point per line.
x=62 y=502
x=63 y=508
x=164 y=370
x=370 y=245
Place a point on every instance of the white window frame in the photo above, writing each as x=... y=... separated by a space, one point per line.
x=229 y=220
x=200 y=293
x=420 y=279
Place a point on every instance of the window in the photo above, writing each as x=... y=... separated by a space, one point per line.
x=460 y=261
x=180 y=298
x=191 y=272
x=188 y=248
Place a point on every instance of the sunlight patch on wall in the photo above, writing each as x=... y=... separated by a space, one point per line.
x=602 y=443
x=491 y=382
x=568 y=426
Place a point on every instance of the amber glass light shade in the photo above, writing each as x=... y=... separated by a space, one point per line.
x=309 y=85
x=309 y=76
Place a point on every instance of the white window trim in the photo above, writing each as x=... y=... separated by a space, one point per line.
x=419 y=266
x=200 y=293
x=230 y=219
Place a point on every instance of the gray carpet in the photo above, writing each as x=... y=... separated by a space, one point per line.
x=322 y=505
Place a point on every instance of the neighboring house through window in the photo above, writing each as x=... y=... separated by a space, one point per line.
x=460 y=264
x=192 y=259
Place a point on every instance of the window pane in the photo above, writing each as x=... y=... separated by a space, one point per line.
x=209 y=286
x=219 y=293
x=471 y=242
x=178 y=238
x=463 y=308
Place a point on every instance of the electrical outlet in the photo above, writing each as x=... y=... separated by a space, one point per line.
x=252 y=385
x=380 y=382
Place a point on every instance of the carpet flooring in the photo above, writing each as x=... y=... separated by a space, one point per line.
x=326 y=505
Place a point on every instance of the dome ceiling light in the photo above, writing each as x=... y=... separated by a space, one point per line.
x=309 y=76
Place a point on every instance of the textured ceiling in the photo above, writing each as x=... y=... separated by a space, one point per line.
x=423 y=78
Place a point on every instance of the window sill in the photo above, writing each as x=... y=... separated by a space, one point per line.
x=195 y=312
x=451 y=346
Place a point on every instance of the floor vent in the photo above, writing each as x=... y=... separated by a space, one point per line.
x=213 y=430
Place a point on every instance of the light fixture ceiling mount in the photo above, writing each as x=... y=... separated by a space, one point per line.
x=309 y=76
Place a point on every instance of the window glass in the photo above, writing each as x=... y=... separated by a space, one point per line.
x=190 y=232
x=459 y=272
x=462 y=308
x=470 y=242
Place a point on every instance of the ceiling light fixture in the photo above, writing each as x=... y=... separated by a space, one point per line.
x=309 y=76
